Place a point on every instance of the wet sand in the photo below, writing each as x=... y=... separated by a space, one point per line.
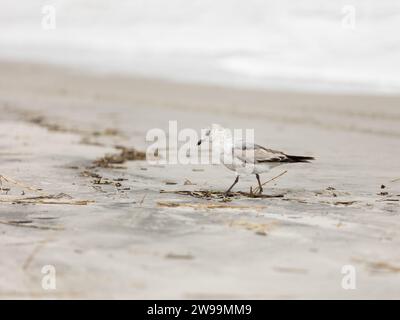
x=111 y=233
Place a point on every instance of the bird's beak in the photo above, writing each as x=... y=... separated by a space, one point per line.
x=199 y=142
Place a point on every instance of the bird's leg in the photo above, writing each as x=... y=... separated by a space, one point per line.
x=259 y=183
x=230 y=188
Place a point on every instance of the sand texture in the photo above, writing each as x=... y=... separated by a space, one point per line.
x=121 y=230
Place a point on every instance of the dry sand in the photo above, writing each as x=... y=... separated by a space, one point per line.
x=110 y=233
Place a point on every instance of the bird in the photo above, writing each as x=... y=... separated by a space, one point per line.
x=245 y=157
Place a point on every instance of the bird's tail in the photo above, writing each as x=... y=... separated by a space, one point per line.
x=300 y=158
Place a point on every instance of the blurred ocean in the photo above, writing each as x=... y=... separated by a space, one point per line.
x=308 y=45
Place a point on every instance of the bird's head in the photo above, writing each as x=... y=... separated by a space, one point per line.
x=212 y=134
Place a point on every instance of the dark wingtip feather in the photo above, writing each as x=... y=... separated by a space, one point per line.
x=300 y=158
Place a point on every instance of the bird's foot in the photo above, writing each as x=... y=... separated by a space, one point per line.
x=227 y=194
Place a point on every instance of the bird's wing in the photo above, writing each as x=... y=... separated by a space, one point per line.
x=254 y=153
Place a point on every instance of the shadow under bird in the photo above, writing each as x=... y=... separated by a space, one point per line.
x=246 y=158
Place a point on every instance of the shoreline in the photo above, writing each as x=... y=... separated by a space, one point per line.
x=91 y=72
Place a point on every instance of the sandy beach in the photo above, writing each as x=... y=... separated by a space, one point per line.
x=110 y=232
